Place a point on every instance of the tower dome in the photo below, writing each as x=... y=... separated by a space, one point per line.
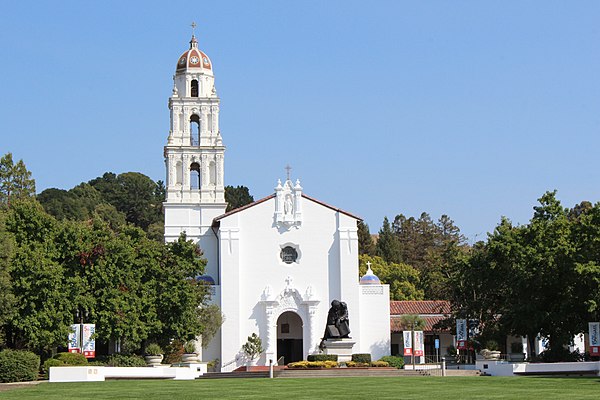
x=369 y=278
x=194 y=60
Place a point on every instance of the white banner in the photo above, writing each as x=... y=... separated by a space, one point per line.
x=419 y=345
x=74 y=346
x=461 y=329
x=594 y=333
x=89 y=344
x=407 y=343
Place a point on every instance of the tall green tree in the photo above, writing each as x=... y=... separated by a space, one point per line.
x=388 y=246
x=7 y=298
x=237 y=197
x=43 y=307
x=366 y=244
x=15 y=180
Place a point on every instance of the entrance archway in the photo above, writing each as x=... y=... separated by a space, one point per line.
x=289 y=337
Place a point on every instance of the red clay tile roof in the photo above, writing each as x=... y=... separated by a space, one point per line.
x=396 y=325
x=422 y=307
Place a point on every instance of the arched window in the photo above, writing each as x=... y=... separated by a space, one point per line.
x=194 y=88
x=178 y=173
x=212 y=173
x=195 y=176
x=195 y=130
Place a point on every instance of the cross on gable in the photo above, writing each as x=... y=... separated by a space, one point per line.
x=288 y=169
x=369 y=264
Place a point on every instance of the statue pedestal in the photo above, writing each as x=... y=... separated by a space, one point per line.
x=341 y=347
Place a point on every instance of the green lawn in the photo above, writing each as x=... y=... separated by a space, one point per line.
x=449 y=388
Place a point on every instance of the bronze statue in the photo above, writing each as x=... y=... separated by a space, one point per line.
x=337 y=323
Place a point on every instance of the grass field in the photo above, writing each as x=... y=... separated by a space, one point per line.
x=449 y=388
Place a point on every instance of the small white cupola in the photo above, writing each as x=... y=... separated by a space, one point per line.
x=369 y=278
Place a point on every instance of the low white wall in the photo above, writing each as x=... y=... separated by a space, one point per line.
x=503 y=368
x=99 y=374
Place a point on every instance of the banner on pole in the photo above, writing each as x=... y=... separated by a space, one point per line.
x=74 y=346
x=407 y=343
x=89 y=344
x=594 y=338
x=419 y=347
x=461 y=334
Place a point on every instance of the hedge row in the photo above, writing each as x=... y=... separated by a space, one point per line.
x=313 y=364
x=322 y=357
x=362 y=358
x=393 y=361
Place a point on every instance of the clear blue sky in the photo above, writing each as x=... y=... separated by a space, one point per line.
x=469 y=108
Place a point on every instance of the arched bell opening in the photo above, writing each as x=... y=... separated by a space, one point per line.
x=195 y=129
x=194 y=88
x=195 y=176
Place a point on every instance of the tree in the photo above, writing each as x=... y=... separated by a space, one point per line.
x=366 y=245
x=237 y=197
x=402 y=278
x=133 y=194
x=540 y=278
x=7 y=298
x=15 y=180
x=43 y=307
x=388 y=246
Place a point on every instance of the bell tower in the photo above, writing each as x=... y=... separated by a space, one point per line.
x=194 y=154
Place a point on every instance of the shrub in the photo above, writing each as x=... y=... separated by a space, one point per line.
x=153 y=349
x=123 y=360
x=355 y=364
x=516 y=347
x=71 y=358
x=322 y=357
x=362 y=358
x=18 y=366
x=492 y=345
x=451 y=351
x=253 y=347
x=312 y=364
x=189 y=347
x=380 y=364
x=51 y=362
x=393 y=361
x=63 y=359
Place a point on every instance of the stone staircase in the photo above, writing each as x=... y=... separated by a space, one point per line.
x=335 y=373
x=345 y=372
x=235 y=374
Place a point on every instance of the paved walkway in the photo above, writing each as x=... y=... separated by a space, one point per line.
x=17 y=385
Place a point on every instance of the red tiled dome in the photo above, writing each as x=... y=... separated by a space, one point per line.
x=194 y=58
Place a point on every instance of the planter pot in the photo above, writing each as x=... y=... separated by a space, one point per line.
x=153 y=361
x=490 y=354
x=189 y=358
x=252 y=362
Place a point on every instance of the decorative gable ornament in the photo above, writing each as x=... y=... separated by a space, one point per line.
x=288 y=204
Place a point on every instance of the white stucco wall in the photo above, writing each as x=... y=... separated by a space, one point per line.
x=250 y=245
x=375 y=321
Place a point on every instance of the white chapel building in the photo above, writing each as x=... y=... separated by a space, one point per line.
x=276 y=264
